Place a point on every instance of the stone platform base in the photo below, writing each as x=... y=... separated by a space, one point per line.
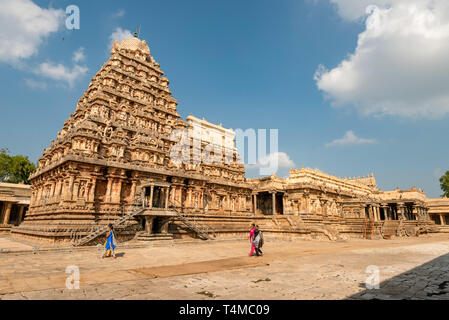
x=5 y=229
x=304 y=226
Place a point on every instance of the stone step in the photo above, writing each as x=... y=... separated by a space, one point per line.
x=154 y=237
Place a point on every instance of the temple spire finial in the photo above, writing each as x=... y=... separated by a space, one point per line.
x=137 y=33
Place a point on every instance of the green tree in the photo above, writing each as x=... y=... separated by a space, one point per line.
x=444 y=183
x=15 y=169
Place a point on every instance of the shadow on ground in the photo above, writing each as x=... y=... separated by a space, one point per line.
x=427 y=281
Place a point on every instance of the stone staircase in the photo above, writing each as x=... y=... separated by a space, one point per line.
x=143 y=236
x=102 y=230
x=390 y=228
x=202 y=230
x=368 y=229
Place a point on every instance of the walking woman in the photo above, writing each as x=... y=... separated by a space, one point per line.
x=251 y=237
x=260 y=242
x=111 y=242
x=255 y=243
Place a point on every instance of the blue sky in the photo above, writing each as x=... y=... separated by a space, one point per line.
x=250 y=64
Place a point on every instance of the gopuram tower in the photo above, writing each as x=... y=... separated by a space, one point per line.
x=114 y=152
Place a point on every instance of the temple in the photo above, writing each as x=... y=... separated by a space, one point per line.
x=119 y=159
x=14 y=202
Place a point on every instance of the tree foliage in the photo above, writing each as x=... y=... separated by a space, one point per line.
x=444 y=183
x=15 y=169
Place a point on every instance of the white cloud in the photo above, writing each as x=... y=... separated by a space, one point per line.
x=23 y=28
x=119 y=14
x=119 y=34
x=283 y=161
x=401 y=64
x=79 y=55
x=350 y=139
x=60 y=72
x=34 y=84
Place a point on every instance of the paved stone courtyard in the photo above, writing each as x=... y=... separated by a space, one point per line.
x=414 y=268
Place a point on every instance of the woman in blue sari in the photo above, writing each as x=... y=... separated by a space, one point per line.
x=110 y=243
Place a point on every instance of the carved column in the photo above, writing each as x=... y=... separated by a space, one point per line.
x=76 y=187
x=133 y=190
x=70 y=188
x=401 y=208
x=441 y=219
x=109 y=190
x=142 y=196
x=166 y=197
x=7 y=212
x=415 y=212
x=149 y=224
x=151 y=196
x=20 y=218
x=52 y=189
x=58 y=188
x=189 y=198
x=284 y=204
x=91 y=197
x=117 y=191
x=273 y=197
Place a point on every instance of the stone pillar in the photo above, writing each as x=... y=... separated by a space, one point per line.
x=133 y=190
x=386 y=213
x=59 y=188
x=401 y=211
x=52 y=190
x=166 y=197
x=255 y=204
x=109 y=190
x=201 y=201
x=415 y=212
x=164 y=225
x=39 y=195
x=372 y=212
x=273 y=197
x=149 y=224
x=20 y=218
x=189 y=202
x=91 y=197
x=76 y=187
x=70 y=189
x=441 y=219
x=7 y=212
x=117 y=191
x=284 y=204
x=142 y=196
x=151 y=197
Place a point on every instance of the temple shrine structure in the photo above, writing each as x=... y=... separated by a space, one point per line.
x=119 y=158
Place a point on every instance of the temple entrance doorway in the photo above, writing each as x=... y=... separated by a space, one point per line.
x=264 y=202
x=382 y=214
x=157 y=225
x=156 y=195
x=279 y=204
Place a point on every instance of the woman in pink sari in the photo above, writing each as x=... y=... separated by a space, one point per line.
x=251 y=238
